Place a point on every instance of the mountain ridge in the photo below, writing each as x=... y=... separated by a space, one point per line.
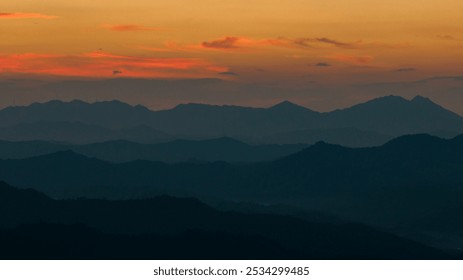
x=370 y=123
x=40 y=219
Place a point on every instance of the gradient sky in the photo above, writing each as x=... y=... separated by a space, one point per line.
x=344 y=47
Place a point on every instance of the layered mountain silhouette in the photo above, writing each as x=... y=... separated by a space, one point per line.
x=415 y=159
x=367 y=124
x=221 y=149
x=290 y=182
x=395 y=186
x=79 y=133
x=394 y=115
x=34 y=226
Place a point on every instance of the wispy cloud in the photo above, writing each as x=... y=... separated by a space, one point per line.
x=322 y=64
x=353 y=59
x=229 y=73
x=224 y=43
x=101 y=64
x=235 y=42
x=407 y=69
x=25 y=16
x=130 y=27
x=446 y=37
x=335 y=43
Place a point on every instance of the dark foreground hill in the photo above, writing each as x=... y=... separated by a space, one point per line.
x=37 y=227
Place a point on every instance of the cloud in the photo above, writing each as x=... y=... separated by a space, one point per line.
x=437 y=78
x=228 y=73
x=243 y=44
x=309 y=42
x=446 y=37
x=409 y=69
x=224 y=43
x=232 y=42
x=101 y=64
x=353 y=59
x=322 y=64
x=130 y=27
x=25 y=16
x=299 y=42
x=334 y=43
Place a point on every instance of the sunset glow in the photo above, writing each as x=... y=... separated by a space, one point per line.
x=291 y=43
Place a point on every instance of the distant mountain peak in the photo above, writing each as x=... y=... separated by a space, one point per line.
x=395 y=98
x=63 y=155
x=422 y=100
x=288 y=106
x=285 y=104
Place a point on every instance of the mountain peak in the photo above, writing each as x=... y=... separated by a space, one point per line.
x=285 y=104
x=392 y=98
x=288 y=106
x=421 y=100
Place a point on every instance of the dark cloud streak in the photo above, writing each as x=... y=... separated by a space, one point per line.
x=225 y=43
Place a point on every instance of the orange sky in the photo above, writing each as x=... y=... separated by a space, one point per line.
x=291 y=43
x=55 y=37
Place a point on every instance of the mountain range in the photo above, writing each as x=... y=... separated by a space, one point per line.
x=367 y=124
x=175 y=228
x=394 y=186
x=221 y=149
x=382 y=179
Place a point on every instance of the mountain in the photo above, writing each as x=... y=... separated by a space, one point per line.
x=79 y=133
x=393 y=186
x=394 y=115
x=367 y=124
x=350 y=137
x=221 y=149
x=108 y=114
x=200 y=120
x=35 y=226
x=416 y=160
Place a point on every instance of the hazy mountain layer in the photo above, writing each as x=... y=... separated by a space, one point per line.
x=367 y=124
x=397 y=185
x=173 y=228
x=222 y=149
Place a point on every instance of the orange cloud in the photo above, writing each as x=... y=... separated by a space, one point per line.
x=446 y=37
x=24 y=16
x=99 y=64
x=234 y=43
x=225 y=43
x=353 y=59
x=130 y=27
x=244 y=44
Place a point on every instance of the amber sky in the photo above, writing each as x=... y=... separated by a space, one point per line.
x=291 y=44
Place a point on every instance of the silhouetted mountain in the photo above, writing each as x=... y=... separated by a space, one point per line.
x=109 y=114
x=350 y=137
x=394 y=115
x=287 y=107
x=78 y=133
x=221 y=149
x=369 y=123
x=169 y=228
x=391 y=186
x=200 y=120
x=408 y=160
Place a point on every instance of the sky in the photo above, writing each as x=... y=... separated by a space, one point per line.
x=322 y=54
